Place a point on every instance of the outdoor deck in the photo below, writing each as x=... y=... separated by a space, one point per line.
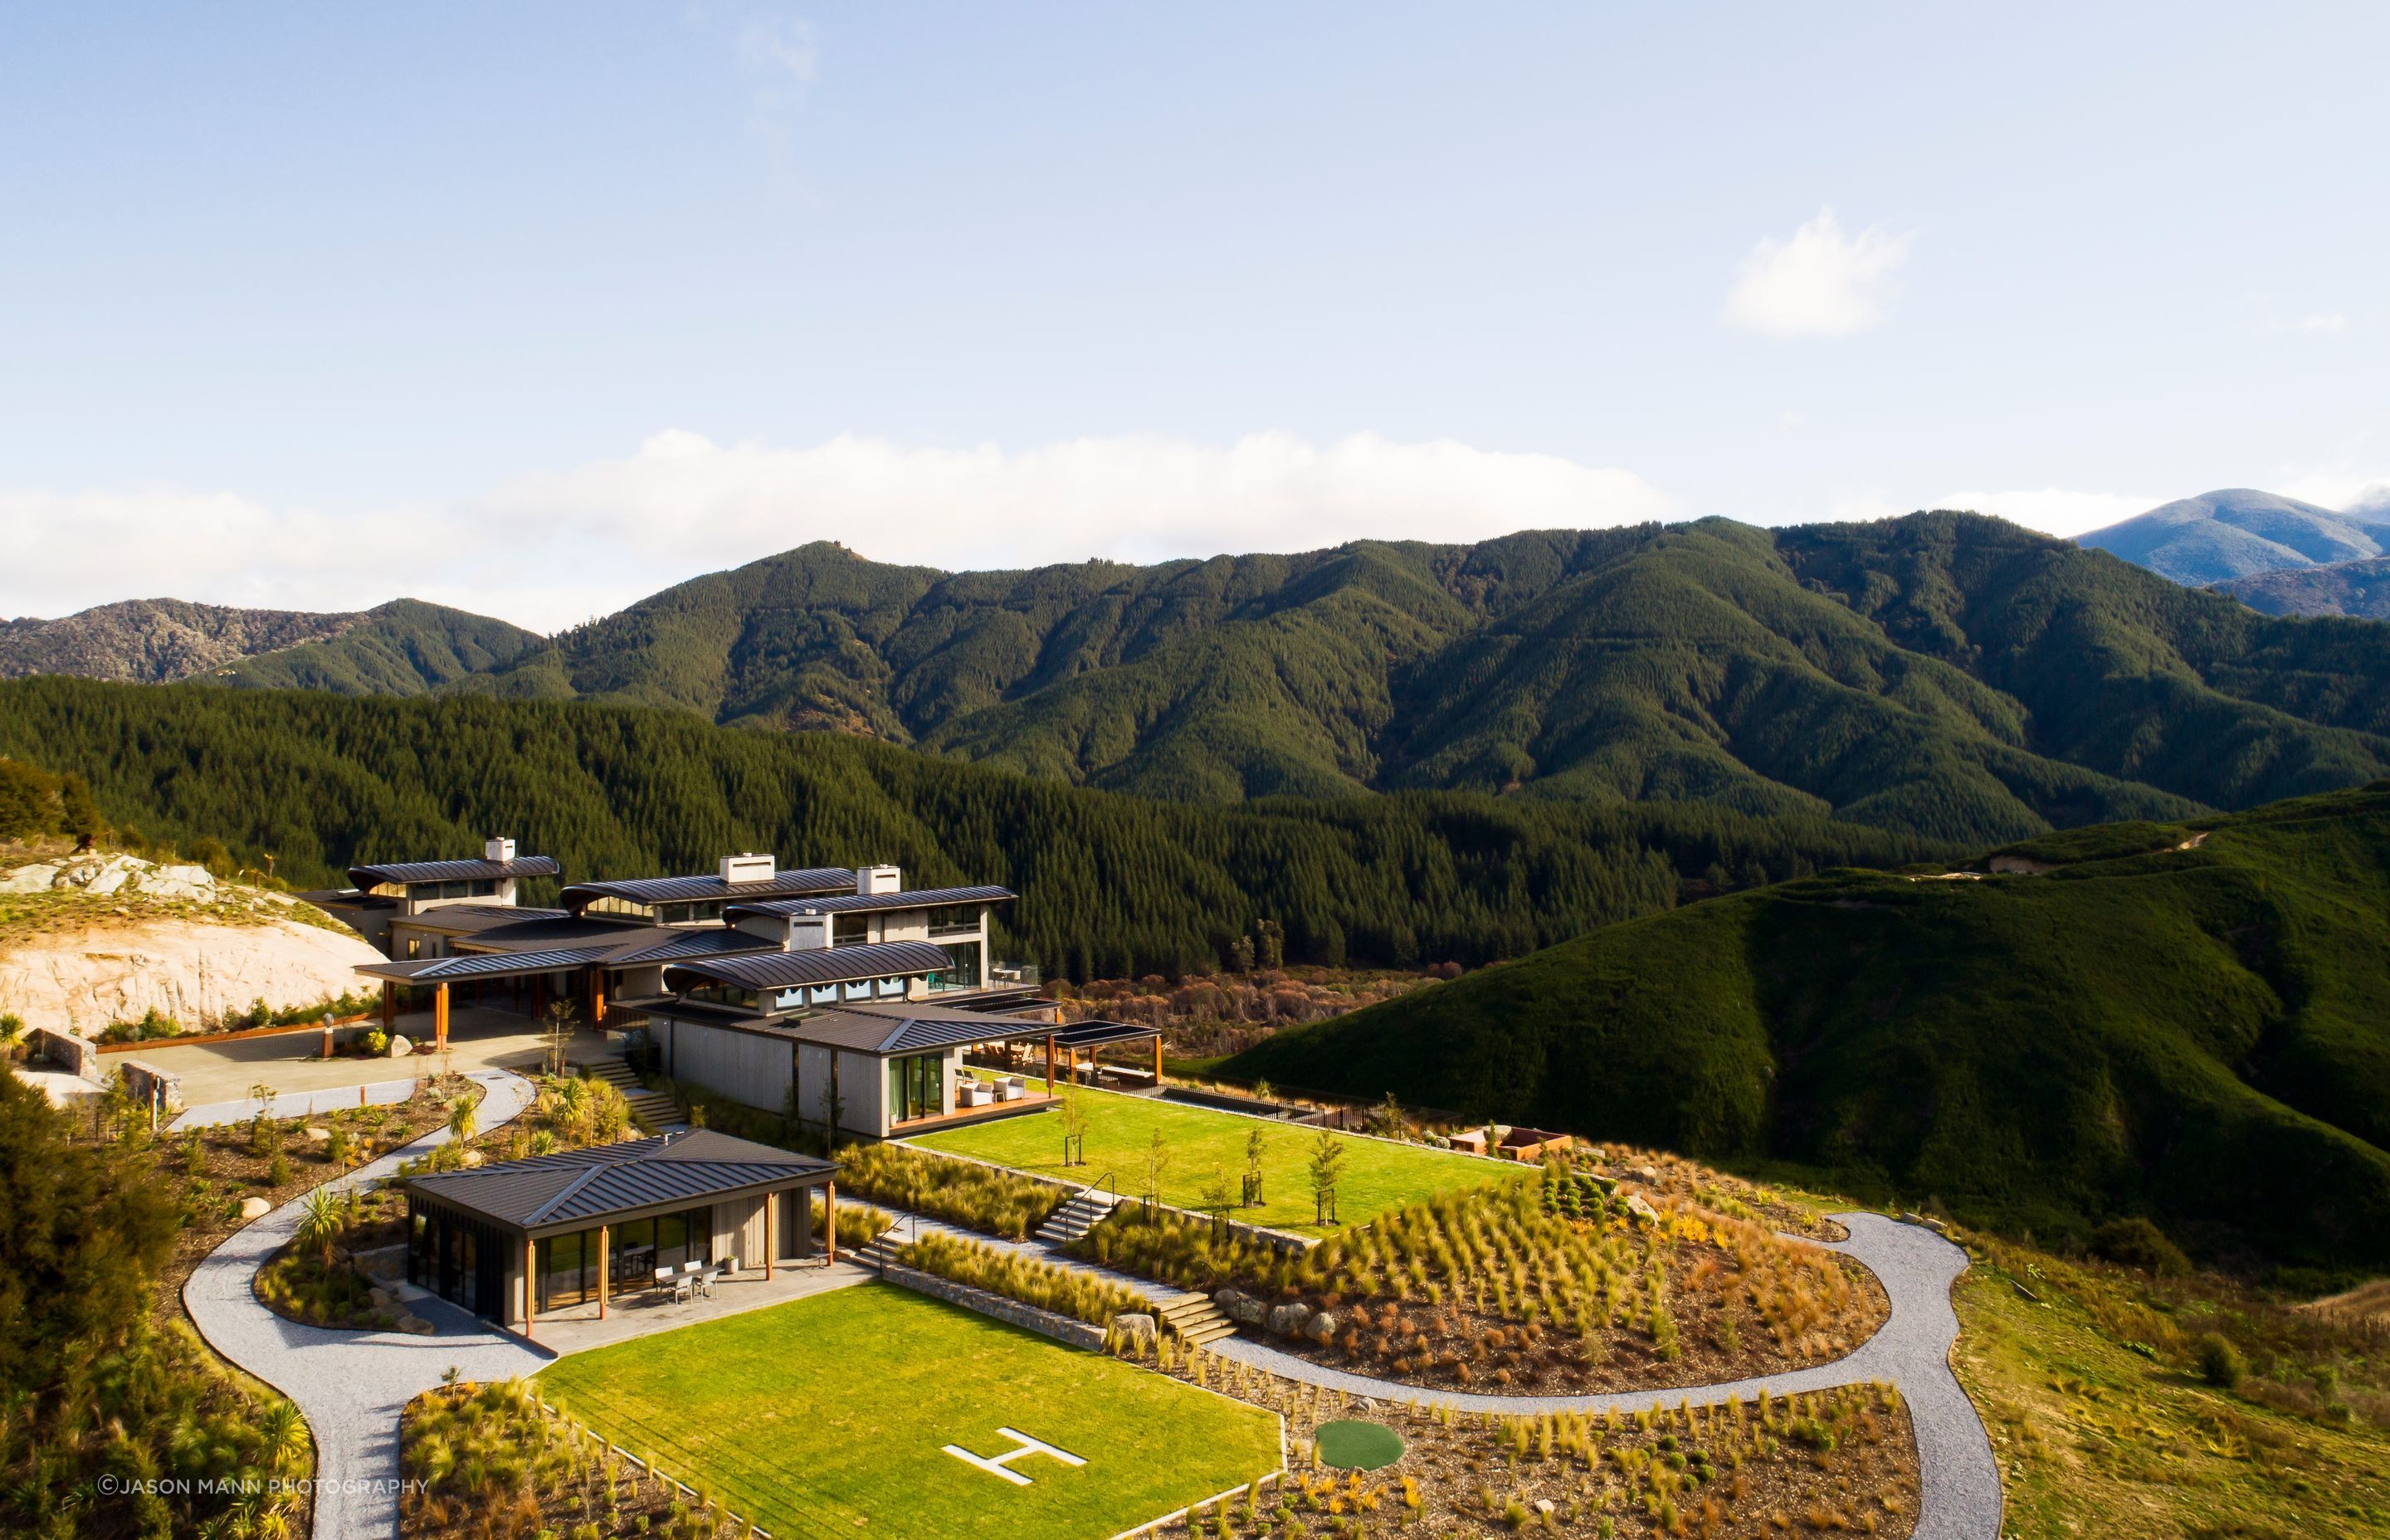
x=962 y=1117
x=576 y=1328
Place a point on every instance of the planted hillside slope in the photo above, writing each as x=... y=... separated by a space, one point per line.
x=2198 y=1034
x=1944 y=673
x=2220 y=535
x=1110 y=885
x=2356 y=589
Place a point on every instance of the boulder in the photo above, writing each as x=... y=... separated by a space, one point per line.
x=1646 y=1175
x=318 y=1136
x=1641 y=1207
x=382 y=1298
x=1288 y=1320
x=1320 y=1329
x=1240 y=1307
x=1134 y=1329
x=1546 y=1507
x=255 y=1208
x=399 y=1047
x=417 y=1325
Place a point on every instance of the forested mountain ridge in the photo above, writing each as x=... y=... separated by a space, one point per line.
x=402 y=647
x=1945 y=673
x=1111 y=885
x=2184 y=1020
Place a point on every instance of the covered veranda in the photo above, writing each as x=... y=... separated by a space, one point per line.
x=1072 y=1054
x=527 y=981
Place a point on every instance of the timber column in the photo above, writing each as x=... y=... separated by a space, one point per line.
x=440 y=1015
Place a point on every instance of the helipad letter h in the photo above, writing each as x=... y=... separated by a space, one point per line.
x=1000 y=1465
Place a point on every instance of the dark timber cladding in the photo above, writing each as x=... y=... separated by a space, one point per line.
x=587 y=1225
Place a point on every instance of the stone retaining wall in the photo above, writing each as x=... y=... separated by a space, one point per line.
x=76 y=1056
x=1045 y=1323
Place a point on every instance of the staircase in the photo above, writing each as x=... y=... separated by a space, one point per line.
x=1194 y=1319
x=1086 y=1209
x=652 y=1110
x=882 y=1251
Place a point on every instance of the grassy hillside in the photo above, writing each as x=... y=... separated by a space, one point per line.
x=1943 y=674
x=2200 y=1035
x=404 y=647
x=1111 y=885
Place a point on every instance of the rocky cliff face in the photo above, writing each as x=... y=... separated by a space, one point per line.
x=90 y=941
x=158 y=641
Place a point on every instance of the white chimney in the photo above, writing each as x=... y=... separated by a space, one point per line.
x=500 y=849
x=748 y=866
x=879 y=879
x=807 y=934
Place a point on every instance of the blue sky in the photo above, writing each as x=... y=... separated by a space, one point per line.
x=536 y=308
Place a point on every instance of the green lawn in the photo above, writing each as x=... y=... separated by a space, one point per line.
x=829 y=1415
x=1201 y=1142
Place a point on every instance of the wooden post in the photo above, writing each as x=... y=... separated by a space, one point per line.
x=829 y=1220
x=1049 y=1063
x=388 y=1006
x=439 y=1014
x=596 y=996
x=771 y=1231
x=605 y=1264
x=327 y=1037
x=1157 y=1060
x=531 y=1265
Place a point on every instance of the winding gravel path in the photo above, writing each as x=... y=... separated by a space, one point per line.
x=351 y=1385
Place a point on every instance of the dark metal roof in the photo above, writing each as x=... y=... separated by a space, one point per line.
x=574 y=1189
x=692 y=944
x=894 y=1028
x=681 y=890
x=1095 y=1034
x=470 y=918
x=485 y=965
x=452 y=871
x=833 y=965
x=847 y=903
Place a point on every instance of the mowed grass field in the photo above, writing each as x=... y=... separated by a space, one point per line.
x=1202 y=1143
x=829 y=1415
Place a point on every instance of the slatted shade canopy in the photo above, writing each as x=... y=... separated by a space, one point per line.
x=850 y=904
x=684 y=890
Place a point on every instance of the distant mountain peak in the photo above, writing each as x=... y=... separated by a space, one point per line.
x=2236 y=533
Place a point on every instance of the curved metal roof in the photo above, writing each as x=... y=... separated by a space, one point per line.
x=832 y=965
x=847 y=903
x=682 y=890
x=452 y=871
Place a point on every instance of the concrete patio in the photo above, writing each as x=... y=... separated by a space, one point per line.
x=576 y=1328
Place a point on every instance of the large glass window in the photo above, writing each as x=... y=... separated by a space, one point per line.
x=962 y=968
x=668 y=1240
x=948 y=919
x=850 y=930
x=916 y=1086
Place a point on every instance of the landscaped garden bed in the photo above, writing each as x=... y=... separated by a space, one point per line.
x=1842 y=1461
x=491 y=1462
x=960 y=1192
x=1063 y=1290
x=1563 y=1286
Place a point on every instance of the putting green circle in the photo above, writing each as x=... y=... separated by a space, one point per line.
x=1358 y=1446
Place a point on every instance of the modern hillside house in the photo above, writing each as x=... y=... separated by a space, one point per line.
x=861 y=1038
x=612 y=941
x=590 y=1226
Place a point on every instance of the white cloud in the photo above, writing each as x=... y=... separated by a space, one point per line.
x=549 y=549
x=1820 y=283
x=2054 y=510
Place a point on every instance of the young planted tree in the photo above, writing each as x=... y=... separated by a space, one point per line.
x=1256 y=1149
x=1327 y=1166
x=1074 y=1130
x=1216 y=1199
x=556 y=1035
x=321 y=1216
x=1157 y=1161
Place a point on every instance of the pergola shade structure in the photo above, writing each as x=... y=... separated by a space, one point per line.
x=509 y=1241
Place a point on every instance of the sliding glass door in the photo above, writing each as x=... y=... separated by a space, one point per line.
x=916 y=1087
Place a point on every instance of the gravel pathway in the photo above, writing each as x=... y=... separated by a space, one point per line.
x=351 y=1385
